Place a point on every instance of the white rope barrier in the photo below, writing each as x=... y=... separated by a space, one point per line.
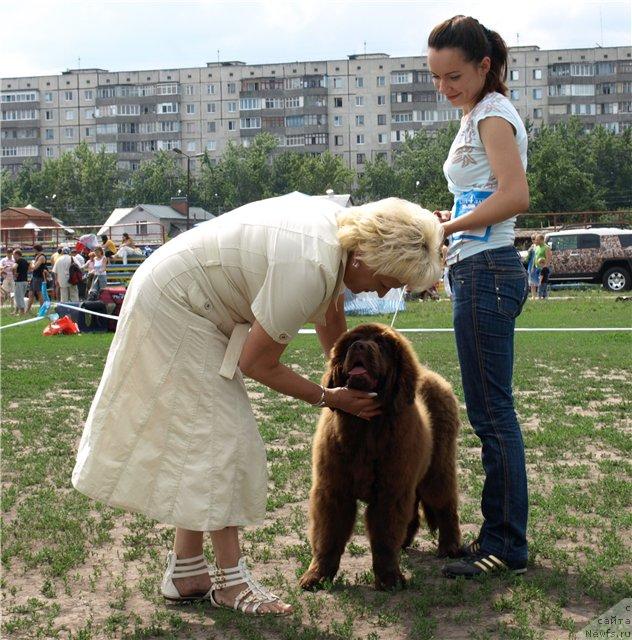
x=521 y=329
x=92 y=313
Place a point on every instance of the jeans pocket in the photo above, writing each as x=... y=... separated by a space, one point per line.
x=511 y=292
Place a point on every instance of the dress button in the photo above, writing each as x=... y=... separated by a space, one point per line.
x=207 y=305
x=283 y=336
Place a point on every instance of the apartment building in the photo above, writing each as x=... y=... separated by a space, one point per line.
x=359 y=108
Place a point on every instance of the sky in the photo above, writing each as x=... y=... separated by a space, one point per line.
x=46 y=38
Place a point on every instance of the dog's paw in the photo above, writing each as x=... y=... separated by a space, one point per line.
x=390 y=581
x=311 y=580
x=451 y=550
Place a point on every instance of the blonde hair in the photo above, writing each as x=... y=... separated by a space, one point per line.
x=395 y=238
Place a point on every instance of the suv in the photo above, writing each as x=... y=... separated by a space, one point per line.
x=601 y=255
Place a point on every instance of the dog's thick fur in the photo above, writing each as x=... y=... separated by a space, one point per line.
x=398 y=460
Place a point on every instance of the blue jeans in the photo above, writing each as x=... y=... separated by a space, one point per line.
x=489 y=290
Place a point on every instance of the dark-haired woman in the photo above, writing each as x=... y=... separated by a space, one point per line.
x=485 y=171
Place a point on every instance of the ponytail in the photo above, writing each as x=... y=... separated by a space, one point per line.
x=475 y=42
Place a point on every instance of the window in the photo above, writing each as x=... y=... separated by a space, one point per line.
x=381 y=100
x=337 y=121
x=380 y=81
x=537 y=113
x=515 y=94
x=167 y=107
x=190 y=146
x=88 y=94
x=402 y=117
x=211 y=145
x=210 y=107
x=69 y=132
x=359 y=120
x=232 y=125
x=514 y=74
x=295 y=141
x=67 y=96
x=382 y=138
x=338 y=141
x=89 y=113
x=210 y=127
x=49 y=134
x=563 y=243
x=316 y=138
x=70 y=115
x=190 y=108
x=231 y=87
x=605 y=68
x=275 y=103
x=49 y=152
x=537 y=94
x=248 y=104
x=359 y=82
x=294 y=102
x=381 y=118
x=210 y=89
x=88 y=132
x=588 y=241
x=167 y=89
x=250 y=123
x=359 y=101
x=537 y=74
x=189 y=89
x=402 y=77
x=605 y=89
x=360 y=138
x=609 y=108
x=360 y=158
x=294 y=121
x=582 y=69
x=190 y=127
x=337 y=102
x=338 y=82
x=48 y=96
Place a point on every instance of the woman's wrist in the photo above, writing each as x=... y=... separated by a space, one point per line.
x=322 y=399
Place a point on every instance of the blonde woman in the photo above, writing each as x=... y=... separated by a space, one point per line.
x=218 y=301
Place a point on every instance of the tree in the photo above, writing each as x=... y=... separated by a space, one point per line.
x=156 y=181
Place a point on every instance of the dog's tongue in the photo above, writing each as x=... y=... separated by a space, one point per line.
x=357 y=371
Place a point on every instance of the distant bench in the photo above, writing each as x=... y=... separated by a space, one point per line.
x=118 y=273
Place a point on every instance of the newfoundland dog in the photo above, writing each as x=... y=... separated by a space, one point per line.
x=399 y=460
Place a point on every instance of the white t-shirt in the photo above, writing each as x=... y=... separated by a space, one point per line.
x=471 y=179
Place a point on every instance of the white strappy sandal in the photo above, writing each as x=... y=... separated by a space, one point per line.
x=253 y=595
x=183 y=568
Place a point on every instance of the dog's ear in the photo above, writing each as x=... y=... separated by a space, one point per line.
x=403 y=373
x=334 y=376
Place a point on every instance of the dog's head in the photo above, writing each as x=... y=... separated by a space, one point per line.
x=374 y=357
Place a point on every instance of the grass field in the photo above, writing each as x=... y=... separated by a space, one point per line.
x=76 y=569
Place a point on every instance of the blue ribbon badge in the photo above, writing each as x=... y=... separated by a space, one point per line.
x=464 y=203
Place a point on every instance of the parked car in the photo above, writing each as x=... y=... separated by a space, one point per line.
x=596 y=255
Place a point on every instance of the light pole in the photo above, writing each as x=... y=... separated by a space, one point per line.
x=188 y=157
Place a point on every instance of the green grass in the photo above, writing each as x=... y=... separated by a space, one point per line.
x=73 y=568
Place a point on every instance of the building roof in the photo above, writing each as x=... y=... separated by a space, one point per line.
x=17 y=217
x=158 y=211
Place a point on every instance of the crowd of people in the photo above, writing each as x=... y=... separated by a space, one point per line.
x=69 y=275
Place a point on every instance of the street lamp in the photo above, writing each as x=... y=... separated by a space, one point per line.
x=188 y=157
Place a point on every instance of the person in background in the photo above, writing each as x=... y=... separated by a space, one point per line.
x=485 y=171
x=531 y=267
x=80 y=261
x=38 y=268
x=543 y=287
x=7 y=289
x=127 y=248
x=88 y=267
x=21 y=272
x=99 y=271
x=108 y=246
x=67 y=292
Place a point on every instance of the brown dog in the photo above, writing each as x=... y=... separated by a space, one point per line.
x=399 y=459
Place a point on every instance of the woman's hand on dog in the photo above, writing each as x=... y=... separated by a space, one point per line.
x=362 y=404
x=443 y=216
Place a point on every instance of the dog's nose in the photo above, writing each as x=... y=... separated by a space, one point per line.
x=358 y=345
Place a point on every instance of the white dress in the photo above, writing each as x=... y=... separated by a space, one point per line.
x=170 y=432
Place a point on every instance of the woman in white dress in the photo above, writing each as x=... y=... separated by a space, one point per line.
x=171 y=433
